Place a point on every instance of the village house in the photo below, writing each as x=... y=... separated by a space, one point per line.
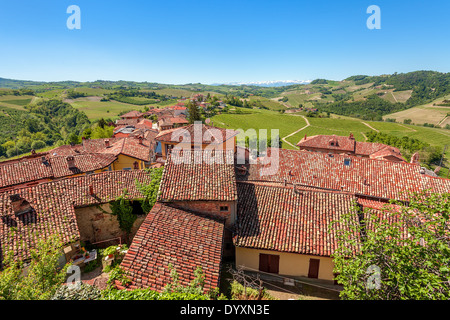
x=187 y=137
x=348 y=145
x=136 y=115
x=279 y=222
x=190 y=225
x=29 y=171
x=75 y=209
x=166 y=123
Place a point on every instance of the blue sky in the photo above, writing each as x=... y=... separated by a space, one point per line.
x=214 y=41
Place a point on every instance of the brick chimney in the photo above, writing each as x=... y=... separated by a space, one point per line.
x=351 y=136
x=19 y=205
x=107 y=143
x=415 y=158
x=71 y=162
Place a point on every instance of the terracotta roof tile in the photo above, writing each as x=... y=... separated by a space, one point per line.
x=173 y=236
x=52 y=207
x=279 y=219
x=198 y=178
x=173 y=134
x=27 y=170
x=379 y=178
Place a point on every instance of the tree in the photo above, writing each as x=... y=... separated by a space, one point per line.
x=43 y=274
x=404 y=250
x=193 y=112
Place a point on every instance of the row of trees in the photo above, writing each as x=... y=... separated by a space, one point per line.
x=428 y=154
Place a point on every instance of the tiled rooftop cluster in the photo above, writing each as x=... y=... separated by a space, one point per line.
x=281 y=219
x=213 y=135
x=378 y=178
x=36 y=212
x=178 y=237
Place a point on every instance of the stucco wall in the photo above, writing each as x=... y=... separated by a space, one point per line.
x=124 y=161
x=291 y=264
x=96 y=225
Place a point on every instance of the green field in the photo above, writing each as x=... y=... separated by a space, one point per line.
x=338 y=125
x=15 y=102
x=97 y=109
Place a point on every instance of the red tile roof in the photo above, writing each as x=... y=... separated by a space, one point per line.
x=347 y=145
x=220 y=134
x=52 y=207
x=132 y=114
x=379 y=178
x=169 y=121
x=131 y=146
x=83 y=163
x=126 y=122
x=50 y=167
x=198 y=178
x=173 y=236
x=279 y=219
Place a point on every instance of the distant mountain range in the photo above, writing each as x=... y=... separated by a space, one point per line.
x=273 y=83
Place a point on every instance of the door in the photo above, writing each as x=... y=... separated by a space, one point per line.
x=313 y=268
x=269 y=263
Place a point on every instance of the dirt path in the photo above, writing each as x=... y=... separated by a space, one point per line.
x=365 y=138
x=284 y=138
x=370 y=126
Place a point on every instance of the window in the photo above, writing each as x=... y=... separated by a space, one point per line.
x=347 y=162
x=127 y=169
x=223 y=208
x=313 y=268
x=269 y=263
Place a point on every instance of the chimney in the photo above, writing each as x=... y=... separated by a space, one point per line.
x=140 y=138
x=351 y=136
x=45 y=161
x=107 y=143
x=415 y=158
x=33 y=152
x=19 y=205
x=71 y=162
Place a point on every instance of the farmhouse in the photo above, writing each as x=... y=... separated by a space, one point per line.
x=348 y=145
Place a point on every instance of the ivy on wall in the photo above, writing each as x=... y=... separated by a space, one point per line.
x=123 y=209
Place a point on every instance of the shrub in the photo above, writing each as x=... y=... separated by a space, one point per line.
x=83 y=292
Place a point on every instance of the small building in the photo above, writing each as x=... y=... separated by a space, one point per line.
x=195 y=136
x=348 y=145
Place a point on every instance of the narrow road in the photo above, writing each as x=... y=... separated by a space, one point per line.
x=284 y=138
x=370 y=126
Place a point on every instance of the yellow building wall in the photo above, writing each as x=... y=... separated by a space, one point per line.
x=124 y=161
x=291 y=264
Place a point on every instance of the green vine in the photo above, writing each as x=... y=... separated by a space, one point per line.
x=123 y=209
